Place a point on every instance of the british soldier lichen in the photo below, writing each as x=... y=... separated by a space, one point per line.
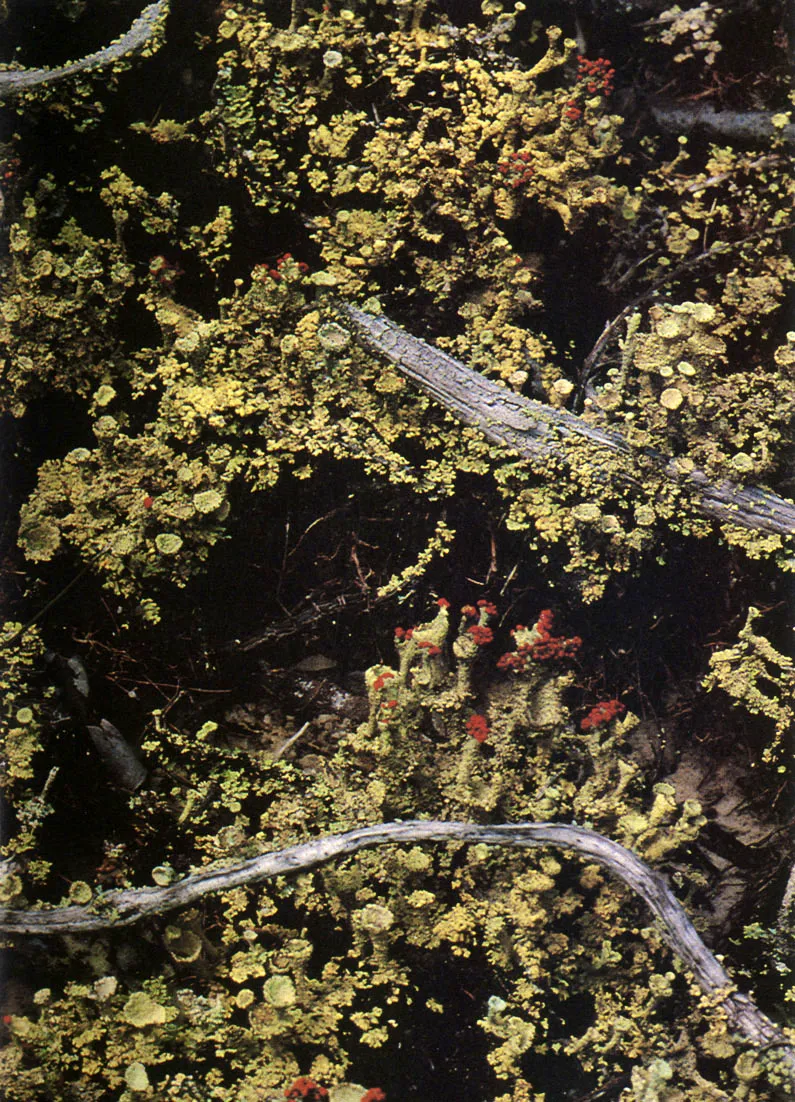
x=444 y=170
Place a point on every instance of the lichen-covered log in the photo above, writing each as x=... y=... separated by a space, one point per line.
x=122 y=908
x=139 y=35
x=536 y=430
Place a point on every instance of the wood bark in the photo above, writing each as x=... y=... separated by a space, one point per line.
x=13 y=81
x=539 y=431
x=124 y=907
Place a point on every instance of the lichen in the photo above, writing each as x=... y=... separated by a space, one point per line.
x=760 y=679
x=442 y=171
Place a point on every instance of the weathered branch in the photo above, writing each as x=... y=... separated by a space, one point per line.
x=124 y=907
x=140 y=33
x=737 y=126
x=537 y=431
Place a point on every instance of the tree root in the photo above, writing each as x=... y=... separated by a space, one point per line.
x=124 y=907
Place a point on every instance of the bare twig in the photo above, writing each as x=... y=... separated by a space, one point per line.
x=749 y=126
x=138 y=36
x=539 y=431
x=127 y=906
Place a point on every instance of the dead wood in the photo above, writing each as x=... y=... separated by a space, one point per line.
x=124 y=907
x=539 y=431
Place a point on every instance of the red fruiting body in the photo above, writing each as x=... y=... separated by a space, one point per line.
x=263 y=271
x=516 y=168
x=478 y=727
x=602 y=713
x=390 y=704
x=306 y=1089
x=381 y=680
x=597 y=74
x=443 y=602
x=487 y=607
x=375 y=1094
x=545 y=647
x=469 y=611
x=148 y=502
x=481 y=634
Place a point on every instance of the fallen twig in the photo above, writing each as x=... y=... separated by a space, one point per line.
x=749 y=126
x=537 y=431
x=124 y=907
x=139 y=34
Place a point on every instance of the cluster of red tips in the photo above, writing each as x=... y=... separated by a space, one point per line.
x=381 y=680
x=431 y=648
x=487 y=607
x=516 y=168
x=390 y=704
x=402 y=635
x=596 y=75
x=478 y=727
x=148 y=501
x=11 y=168
x=481 y=634
x=265 y=271
x=306 y=1089
x=443 y=602
x=601 y=714
x=572 y=111
x=545 y=647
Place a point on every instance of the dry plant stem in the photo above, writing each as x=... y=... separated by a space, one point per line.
x=539 y=431
x=142 y=30
x=124 y=907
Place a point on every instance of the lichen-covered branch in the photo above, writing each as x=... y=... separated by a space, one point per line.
x=736 y=126
x=122 y=908
x=537 y=431
x=139 y=34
